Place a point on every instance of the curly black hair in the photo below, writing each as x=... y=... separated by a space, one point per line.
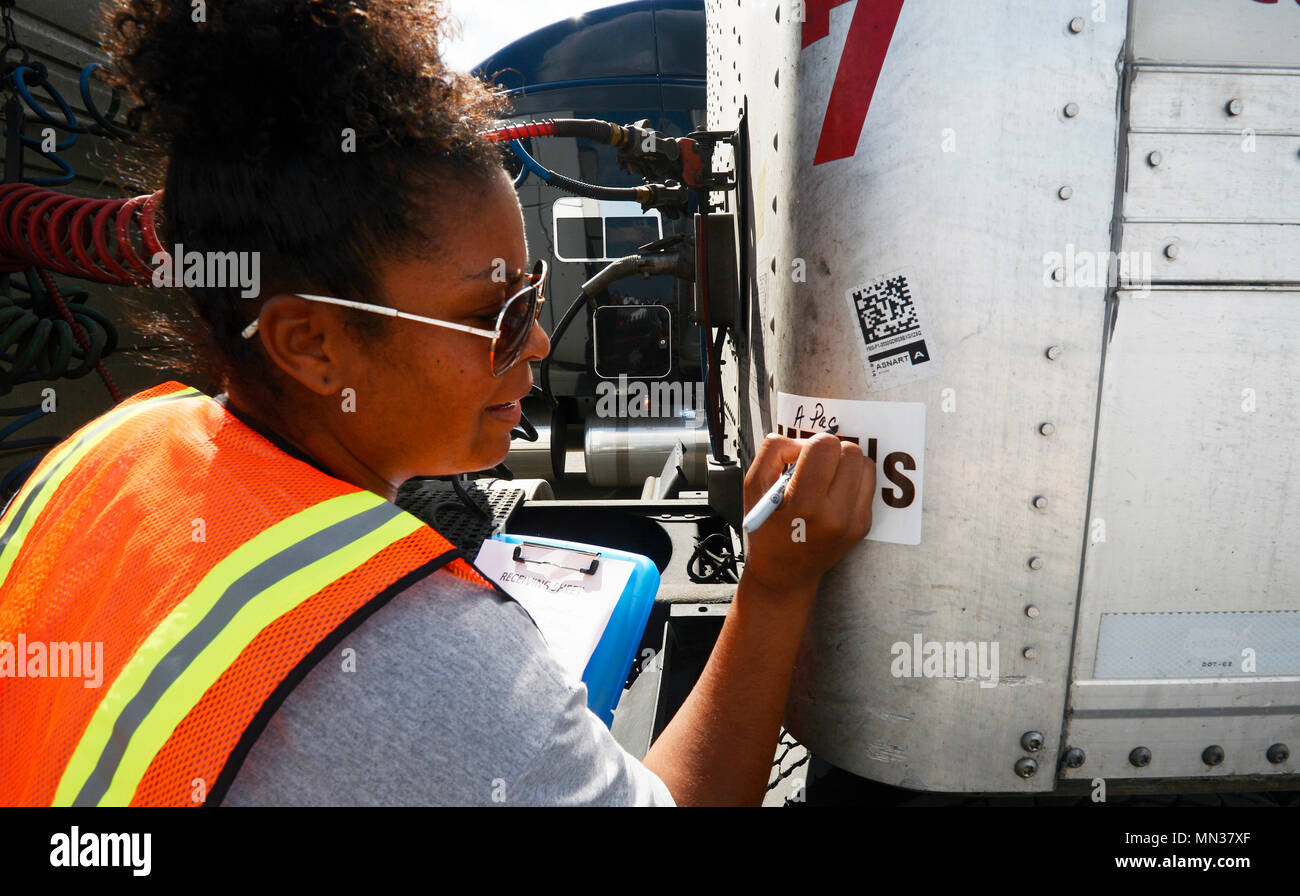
x=321 y=134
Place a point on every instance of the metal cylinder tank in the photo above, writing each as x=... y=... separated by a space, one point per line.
x=618 y=451
x=531 y=460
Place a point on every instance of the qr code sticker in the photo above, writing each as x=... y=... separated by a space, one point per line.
x=891 y=314
x=885 y=308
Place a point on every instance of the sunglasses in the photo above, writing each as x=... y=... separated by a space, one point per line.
x=514 y=322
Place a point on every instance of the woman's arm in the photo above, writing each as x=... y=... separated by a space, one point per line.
x=718 y=748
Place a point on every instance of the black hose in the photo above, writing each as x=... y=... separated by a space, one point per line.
x=707 y=567
x=464 y=497
x=594 y=191
x=576 y=187
x=555 y=343
x=590 y=128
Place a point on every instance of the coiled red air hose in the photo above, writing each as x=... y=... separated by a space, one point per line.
x=104 y=240
x=94 y=239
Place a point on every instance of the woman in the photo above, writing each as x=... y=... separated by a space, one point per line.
x=274 y=630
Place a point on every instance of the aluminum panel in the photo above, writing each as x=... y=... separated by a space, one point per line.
x=1176 y=744
x=1194 y=510
x=1231 y=32
x=1215 y=253
x=1213 y=177
x=1196 y=447
x=1212 y=100
x=1244 y=717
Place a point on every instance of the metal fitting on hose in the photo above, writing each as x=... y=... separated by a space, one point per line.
x=677 y=264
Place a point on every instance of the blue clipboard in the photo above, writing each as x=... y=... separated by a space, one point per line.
x=611 y=662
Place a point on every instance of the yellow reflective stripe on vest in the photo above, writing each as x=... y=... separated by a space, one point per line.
x=261 y=580
x=27 y=505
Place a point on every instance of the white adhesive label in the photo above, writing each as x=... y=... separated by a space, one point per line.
x=891 y=432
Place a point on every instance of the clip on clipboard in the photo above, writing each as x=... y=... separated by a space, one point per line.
x=586 y=571
x=591 y=616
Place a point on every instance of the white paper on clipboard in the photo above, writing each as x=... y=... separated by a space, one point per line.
x=570 y=607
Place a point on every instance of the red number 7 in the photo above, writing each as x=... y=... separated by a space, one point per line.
x=870 y=32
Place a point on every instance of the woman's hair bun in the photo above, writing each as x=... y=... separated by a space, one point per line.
x=247 y=79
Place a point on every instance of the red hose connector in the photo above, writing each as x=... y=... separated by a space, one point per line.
x=520 y=131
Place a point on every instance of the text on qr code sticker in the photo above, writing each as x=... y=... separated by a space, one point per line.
x=885 y=308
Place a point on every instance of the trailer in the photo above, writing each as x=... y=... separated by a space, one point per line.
x=1039 y=260
x=1047 y=253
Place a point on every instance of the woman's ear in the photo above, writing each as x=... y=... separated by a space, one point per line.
x=305 y=340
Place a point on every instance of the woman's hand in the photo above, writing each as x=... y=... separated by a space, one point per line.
x=827 y=510
x=718 y=748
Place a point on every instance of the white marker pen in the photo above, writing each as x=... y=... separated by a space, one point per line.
x=773 y=499
x=768 y=504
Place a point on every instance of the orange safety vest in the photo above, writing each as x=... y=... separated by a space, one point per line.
x=167 y=576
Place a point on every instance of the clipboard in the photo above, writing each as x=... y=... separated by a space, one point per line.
x=591 y=603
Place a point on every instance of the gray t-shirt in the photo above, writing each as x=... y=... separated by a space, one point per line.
x=447 y=695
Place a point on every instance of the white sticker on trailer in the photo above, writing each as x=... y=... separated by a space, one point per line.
x=892 y=432
x=898 y=344
x=1216 y=644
